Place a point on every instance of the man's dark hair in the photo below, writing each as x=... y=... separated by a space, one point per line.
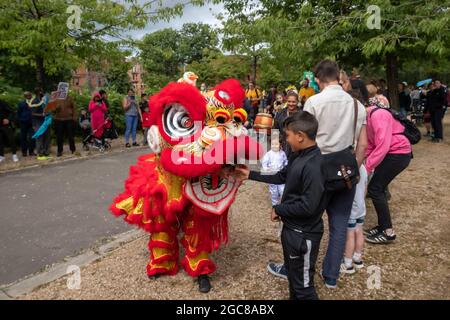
x=327 y=71
x=143 y=95
x=302 y=121
x=102 y=92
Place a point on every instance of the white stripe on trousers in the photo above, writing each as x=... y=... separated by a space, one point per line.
x=306 y=265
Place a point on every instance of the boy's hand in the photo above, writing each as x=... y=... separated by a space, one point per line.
x=241 y=172
x=274 y=217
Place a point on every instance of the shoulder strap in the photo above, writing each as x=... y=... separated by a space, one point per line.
x=379 y=108
x=355 y=120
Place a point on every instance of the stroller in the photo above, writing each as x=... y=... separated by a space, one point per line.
x=103 y=143
x=417 y=112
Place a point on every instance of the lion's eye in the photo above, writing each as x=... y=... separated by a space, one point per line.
x=177 y=122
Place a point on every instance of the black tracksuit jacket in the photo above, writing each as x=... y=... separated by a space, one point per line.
x=303 y=201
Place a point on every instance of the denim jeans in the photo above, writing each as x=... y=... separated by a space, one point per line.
x=131 y=125
x=338 y=209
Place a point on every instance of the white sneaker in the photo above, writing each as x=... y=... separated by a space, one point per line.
x=345 y=269
x=15 y=158
x=2 y=158
x=358 y=264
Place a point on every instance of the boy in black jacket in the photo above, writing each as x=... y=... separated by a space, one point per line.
x=302 y=204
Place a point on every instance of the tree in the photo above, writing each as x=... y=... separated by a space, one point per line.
x=36 y=33
x=302 y=32
x=165 y=52
x=241 y=36
x=160 y=57
x=195 y=38
x=216 y=67
x=117 y=78
x=25 y=76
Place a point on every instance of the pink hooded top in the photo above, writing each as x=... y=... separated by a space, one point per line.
x=384 y=134
x=97 y=115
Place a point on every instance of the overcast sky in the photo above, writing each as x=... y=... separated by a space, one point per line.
x=205 y=14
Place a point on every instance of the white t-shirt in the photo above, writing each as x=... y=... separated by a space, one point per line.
x=334 y=110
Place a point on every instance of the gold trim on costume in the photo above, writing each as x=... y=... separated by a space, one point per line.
x=168 y=265
x=127 y=206
x=194 y=262
x=162 y=236
x=160 y=252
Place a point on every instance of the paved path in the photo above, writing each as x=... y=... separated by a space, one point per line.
x=49 y=213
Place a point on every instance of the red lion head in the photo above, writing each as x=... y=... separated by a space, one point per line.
x=195 y=135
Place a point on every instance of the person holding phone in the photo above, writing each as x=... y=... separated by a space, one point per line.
x=132 y=111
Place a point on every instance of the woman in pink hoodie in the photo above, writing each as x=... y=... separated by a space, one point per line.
x=389 y=153
x=97 y=108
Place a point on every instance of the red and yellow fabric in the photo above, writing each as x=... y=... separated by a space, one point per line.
x=154 y=201
x=150 y=193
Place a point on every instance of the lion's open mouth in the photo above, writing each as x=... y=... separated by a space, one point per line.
x=211 y=192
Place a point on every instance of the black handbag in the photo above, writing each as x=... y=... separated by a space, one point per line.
x=340 y=168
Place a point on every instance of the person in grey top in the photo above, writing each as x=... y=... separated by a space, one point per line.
x=132 y=112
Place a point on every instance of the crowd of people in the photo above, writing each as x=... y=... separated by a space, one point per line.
x=425 y=104
x=94 y=122
x=315 y=127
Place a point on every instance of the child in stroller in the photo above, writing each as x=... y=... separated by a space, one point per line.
x=104 y=142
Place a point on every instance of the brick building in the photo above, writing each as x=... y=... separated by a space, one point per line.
x=86 y=80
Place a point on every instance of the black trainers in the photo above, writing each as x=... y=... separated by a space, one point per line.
x=371 y=232
x=127 y=145
x=381 y=238
x=136 y=144
x=204 y=286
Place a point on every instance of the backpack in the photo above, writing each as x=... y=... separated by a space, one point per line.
x=411 y=132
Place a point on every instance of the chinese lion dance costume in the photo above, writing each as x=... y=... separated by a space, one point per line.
x=178 y=187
